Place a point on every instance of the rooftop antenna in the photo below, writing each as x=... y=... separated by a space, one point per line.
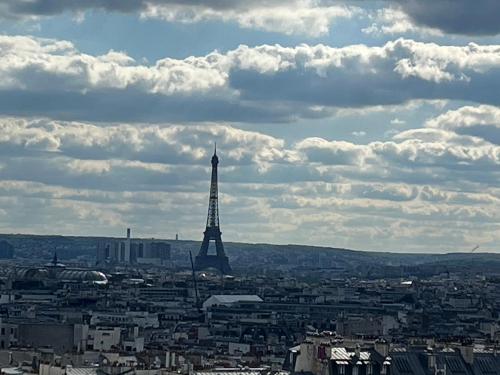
x=474 y=249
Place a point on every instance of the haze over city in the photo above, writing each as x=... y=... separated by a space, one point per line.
x=371 y=125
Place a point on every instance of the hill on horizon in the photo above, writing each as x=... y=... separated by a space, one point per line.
x=258 y=255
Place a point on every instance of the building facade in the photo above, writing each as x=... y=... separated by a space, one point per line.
x=133 y=251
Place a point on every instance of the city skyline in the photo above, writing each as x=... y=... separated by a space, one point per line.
x=353 y=124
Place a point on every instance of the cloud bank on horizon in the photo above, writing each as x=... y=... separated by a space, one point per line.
x=389 y=142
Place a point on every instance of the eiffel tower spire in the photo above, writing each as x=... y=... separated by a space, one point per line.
x=213 y=202
x=212 y=232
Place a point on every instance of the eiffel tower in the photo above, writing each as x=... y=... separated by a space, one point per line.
x=212 y=232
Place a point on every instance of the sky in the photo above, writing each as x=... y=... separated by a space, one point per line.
x=364 y=124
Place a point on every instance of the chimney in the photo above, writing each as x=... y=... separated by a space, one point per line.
x=431 y=359
x=467 y=351
x=382 y=347
x=167 y=360
x=357 y=351
x=385 y=367
x=128 y=233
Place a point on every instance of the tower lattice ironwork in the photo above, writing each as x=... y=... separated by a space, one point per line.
x=212 y=232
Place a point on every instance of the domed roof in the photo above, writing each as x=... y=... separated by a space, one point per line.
x=29 y=273
x=82 y=275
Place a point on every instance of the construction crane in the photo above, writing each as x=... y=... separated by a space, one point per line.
x=194 y=281
x=474 y=249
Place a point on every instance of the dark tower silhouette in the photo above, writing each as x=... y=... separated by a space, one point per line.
x=54 y=259
x=212 y=232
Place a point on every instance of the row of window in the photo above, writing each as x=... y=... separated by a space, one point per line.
x=12 y=330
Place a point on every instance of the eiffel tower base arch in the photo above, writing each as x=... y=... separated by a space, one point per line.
x=202 y=262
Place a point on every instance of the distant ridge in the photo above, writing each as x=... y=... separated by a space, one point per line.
x=302 y=258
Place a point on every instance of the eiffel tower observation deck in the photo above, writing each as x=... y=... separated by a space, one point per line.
x=219 y=260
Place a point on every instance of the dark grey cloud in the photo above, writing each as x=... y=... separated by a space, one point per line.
x=53 y=7
x=132 y=105
x=477 y=17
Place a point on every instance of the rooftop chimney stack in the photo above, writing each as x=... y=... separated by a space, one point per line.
x=357 y=351
x=467 y=351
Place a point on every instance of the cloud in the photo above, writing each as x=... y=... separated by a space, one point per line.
x=359 y=133
x=105 y=138
x=416 y=156
x=254 y=84
x=105 y=156
x=455 y=16
x=431 y=18
x=64 y=174
x=412 y=148
x=389 y=192
x=312 y=18
x=306 y=17
x=397 y=122
x=319 y=150
x=303 y=17
x=430 y=173
x=394 y=21
x=167 y=144
x=481 y=121
x=34 y=63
